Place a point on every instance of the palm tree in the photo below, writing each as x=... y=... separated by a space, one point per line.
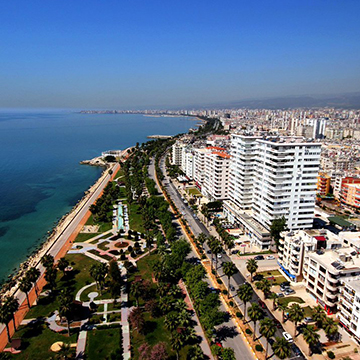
x=264 y=285
x=296 y=314
x=195 y=353
x=255 y=314
x=136 y=319
x=25 y=286
x=331 y=327
x=201 y=239
x=171 y=322
x=62 y=265
x=12 y=304
x=180 y=305
x=251 y=266
x=310 y=336
x=184 y=318
x=5 y=317
x=318 y=314
x=210 y=241
x=65 y=308
x=229 y=269
x=47 y=261
x=281 y=348
x=273 y=297
x=136 y=290
x=50 y=277
x=64 y=352
x=267 y=329
x=176 y=342
x=283 y=307
x=245 y=294
x=33 y=275
x=98 y=272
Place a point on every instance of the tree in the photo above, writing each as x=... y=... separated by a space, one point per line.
x=50 y=277
x=12 y=305
x=264 y=285
x=318 y=315
x=267 y=329
x=176 y=342
x=171 y=322
x=273 y=297
x=25 y=286
x=277 y=226
x=310 y=336
x=195 y=353
x=255 y=314
x=159 y=352
x=62 y=265
x=281 y=348
x=136 y=290
x=144 y=351
x=201 y=239
x=136 y=319
x=33 y=275
x=229 y=269
x=331 y=327
x=115 y=277
x=47 y=261
x=296 y=314
x=283 y=307
x=65 y=352
x=251 y=266
x=245 y=294
x=228 y=354
x=65 y=309
x=5 y=317
x=98 y=272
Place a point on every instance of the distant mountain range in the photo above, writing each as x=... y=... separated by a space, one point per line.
x=345 y=101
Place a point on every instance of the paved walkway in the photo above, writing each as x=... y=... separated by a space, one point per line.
x=81 y=345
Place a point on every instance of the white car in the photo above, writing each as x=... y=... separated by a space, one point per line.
x=287 y=337
x=270 y=257
x=219 y=256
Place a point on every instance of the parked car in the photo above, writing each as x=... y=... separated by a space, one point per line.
x=284 y=288
x=308 y=320
x=296 y=350
x=287 y=337
x=280 y=295
x=234 y=252
x=270 y=257
x=232 y=288
x=259 y=257
x=262 y=304
x=219 y=256
x=289 y=292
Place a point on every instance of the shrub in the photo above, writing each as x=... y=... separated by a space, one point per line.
x=239 y=314
x=219 y=281
x=225 y=292
x=130 y=248
x=258 y=347
x=356 y=350
x=330 y=355
x=231 y=303
x=248 y=331
x=122 y=257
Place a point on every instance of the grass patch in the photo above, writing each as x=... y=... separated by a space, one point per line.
x=135 y=218
x=290 y=299
x=270 y=273
x=81 y=237
x=307 y=311
x=103 y=245
x=194 y=191
x=102 y=226
x=101 y=343
x=144 y=266
x=116 y=316
x=119 y=174
x=36 y=340
x=74 y=281
x=116 y=306
x=95 y=252
x=256 y=253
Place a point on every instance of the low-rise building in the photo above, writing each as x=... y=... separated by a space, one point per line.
x=323 y=184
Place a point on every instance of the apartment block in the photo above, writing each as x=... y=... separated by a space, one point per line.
x=323 y=184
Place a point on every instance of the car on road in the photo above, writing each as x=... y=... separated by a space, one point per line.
x=270 y=257
x=219 y=256
x=289 y=292
x=295 y=350
x=308 y=320
x=208 y=252
x=259 y=257
x=232 y=288
x=234 y=252
x=287 y=337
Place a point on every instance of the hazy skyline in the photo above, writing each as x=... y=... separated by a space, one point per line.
x=92 y=54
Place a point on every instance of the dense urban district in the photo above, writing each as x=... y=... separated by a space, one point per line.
x=237 y=240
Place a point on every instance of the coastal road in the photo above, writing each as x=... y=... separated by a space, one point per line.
x=198 y=227
x=60 y=241
x=228 y=331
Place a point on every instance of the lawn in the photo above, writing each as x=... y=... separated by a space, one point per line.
x=135 y=218
x=84 y=295
x=144 y=267
x=102 y=226
x=81 y=237
x=79 y=277
x=102 y=342
x=290 y=299
x=36 y=340
x=194 y=191
x=95 y=252
x=103 y=245
x=240 y=253
x=119 y=174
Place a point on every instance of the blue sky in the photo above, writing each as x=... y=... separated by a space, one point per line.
x=128 y=54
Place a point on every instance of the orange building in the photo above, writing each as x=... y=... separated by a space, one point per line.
x=323 y=184
x=348 y=190
x=352 y=195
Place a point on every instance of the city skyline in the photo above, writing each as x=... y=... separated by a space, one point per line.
x=178 y=54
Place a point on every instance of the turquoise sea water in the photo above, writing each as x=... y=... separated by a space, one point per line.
x=40 y=175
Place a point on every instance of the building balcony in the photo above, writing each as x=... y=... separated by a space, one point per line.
x=331 y=302
x=331 y=287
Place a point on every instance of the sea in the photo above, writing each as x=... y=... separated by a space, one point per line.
x=40 y=175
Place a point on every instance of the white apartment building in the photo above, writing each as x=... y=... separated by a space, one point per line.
x=324 y=271
x=349 y=305
x=215 y=184
x=188 y=164
x=177 y=153
x=295 y=244
x=285 y=181
x=199 y=168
